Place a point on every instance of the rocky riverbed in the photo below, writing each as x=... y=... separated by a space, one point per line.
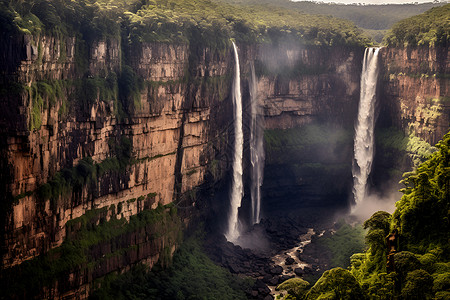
x=272 y=252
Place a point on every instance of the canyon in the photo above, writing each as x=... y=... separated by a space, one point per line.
x=149 y=128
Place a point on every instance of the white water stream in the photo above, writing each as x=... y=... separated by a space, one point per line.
x=256 y=149
x=364 y=128
x=237 y=190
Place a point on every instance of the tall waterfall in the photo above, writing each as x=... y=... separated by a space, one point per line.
x=256 y=149
x=237 y=187
x=364 y=136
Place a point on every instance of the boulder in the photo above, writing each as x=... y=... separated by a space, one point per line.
x=299 y=271
x=289 y=261
x=276 y=270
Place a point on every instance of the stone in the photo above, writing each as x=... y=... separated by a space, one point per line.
x=289 y=261
x=276 y=270
x=274 y=281
x=299 y=271
x=284 y=278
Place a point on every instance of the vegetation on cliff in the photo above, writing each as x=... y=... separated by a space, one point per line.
x=375 y=20
x=99 y=231
x=420 y=262
x=431 y=28
x=208 y=22
x=192 y=275
x=407 y=254
x=365 y=16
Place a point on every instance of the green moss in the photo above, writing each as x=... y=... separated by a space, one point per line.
x=191 y=172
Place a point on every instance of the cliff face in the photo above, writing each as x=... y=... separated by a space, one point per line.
x=415 y=89
x=309 y=114
x=414 y=109
x=121 y=138
x=324 y=85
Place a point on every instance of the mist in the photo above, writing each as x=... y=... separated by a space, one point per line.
x=375 y=202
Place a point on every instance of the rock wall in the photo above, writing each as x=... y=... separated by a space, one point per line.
x=415 y=91
x=138 y=151
x=414 y=111
x=311 y=84
x=309 y=118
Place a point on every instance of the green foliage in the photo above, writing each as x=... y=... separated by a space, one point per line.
x=192 y=275
x=130 y=87
x=365 y=16
x=343 y=243
x=213 y=23
x=94 y=19
x=422 y=270
x=83 y=234
x=378 y=225
x=422 y=215
x=405 y=262
x=380 y=286
x=209 y=23
x=431 y=28
x=418 y=285
x=295 y=287
x=392 y=141
x=42 y=95
x=336 y=284
x=64 y=182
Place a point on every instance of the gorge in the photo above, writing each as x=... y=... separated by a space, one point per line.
x=115 y=144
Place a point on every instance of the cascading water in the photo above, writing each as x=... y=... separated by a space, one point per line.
x=237 y=186
x=256 y=149
x=364 y=128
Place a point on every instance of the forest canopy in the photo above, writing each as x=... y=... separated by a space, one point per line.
x=176 y=21
x=431 y=28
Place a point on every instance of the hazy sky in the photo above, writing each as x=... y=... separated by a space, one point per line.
x=373 y=1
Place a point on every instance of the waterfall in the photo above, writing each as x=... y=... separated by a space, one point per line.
x=237 y=186
x=364 y=135
x=256 y=149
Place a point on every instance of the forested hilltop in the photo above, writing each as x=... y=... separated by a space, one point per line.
x=431 y=28
x=208 y=22
x=374 y=19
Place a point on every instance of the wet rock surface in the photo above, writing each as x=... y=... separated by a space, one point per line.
x=284 y=251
